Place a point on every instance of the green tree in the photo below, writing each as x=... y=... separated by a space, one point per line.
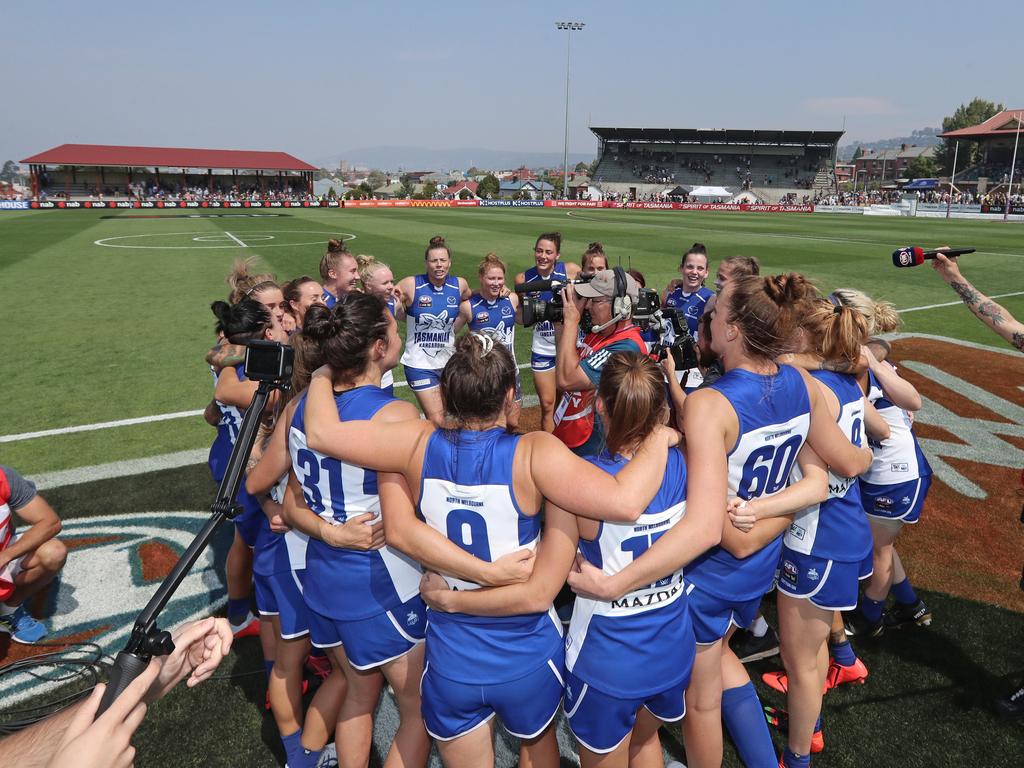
x=473 y=172
x=582 y=167
x=429 y=190
x=9 y=172
x=376 y=178
x=966 y=115
x=922 y=168
x=405 y=189
x=489 y=187
x=331 y=194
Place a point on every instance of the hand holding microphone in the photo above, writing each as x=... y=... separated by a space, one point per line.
x=912 y=256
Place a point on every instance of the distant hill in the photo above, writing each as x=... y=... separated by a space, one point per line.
x=425 y=159
x=923 y=137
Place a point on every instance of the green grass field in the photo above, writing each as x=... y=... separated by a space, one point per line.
x=99 y=333
x=105 y=333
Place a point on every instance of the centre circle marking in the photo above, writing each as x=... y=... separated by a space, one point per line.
x=211 y=240
x=247 y=239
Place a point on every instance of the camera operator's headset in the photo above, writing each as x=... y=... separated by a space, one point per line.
x=622 y=304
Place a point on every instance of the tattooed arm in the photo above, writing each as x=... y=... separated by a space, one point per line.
x=225 y=354
x=986 y=310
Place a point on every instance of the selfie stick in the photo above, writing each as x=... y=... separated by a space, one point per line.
x=147 y=639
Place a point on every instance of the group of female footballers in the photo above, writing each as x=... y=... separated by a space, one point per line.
x=426 y=553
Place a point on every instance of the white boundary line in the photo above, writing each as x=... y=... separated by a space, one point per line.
x=98 y=425
x=127 y=422
x=956 y=303
x=243 y=245
x=131 y=467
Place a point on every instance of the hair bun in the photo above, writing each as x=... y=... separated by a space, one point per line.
x=336 y=246
x=437 y=241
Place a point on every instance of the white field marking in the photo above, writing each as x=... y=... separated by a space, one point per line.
x=131 y=467
x=128 y=422
x=955 y=303
x=243 y=245
x=116 y=469
x=98 y=425
x=745 y=233
x=107 y=242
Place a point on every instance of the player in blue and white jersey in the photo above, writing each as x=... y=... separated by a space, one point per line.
x=492 y=310
x=744 y=435
x=688 y=296
x=279 y=579
x=433 y=314
x=247 y=319
x=547 y=266
x=628 y=661
x=378 y=280
x=338 y=271
x=479 y=490
x=894 y=488
x=824 y=548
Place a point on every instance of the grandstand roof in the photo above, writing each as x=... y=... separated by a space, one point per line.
x=167 y=157
x=1002 y=124
x=717 y=135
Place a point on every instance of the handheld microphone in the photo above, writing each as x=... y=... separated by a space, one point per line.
x=912 y=256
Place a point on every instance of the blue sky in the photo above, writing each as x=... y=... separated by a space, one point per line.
x=319 y=78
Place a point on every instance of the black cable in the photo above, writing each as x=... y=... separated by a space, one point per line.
x=68 y=665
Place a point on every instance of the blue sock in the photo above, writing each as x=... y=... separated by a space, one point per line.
x=292 y=745
x=843 y=654
x=269 y=666
x=795 y=761
x=904 y=593
x=304 y=758
x=238 y=608
x=744 y=719
x=817 y=724
x=871 y=609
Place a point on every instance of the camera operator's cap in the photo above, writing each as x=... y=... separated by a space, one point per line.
x=603 y=286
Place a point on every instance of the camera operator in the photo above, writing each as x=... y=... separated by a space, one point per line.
x=608 y=301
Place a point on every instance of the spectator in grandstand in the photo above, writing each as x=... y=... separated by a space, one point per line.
x=299 y=295
x=77 y=738
x=547 y=266
x=434 y=314
x=493 y=310
x=29 y=559
x=609 y=298
x=339 y=272
x=996 y=317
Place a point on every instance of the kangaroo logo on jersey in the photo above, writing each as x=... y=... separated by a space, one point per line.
x=115 y=563
x=812 y=574
x=433 y=333
x=412 y=619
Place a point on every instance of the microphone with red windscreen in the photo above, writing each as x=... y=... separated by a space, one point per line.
x=912 y=256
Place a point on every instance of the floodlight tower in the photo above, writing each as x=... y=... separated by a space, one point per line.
x=569 y=27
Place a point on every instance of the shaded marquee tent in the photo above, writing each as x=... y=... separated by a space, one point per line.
x=97 y=169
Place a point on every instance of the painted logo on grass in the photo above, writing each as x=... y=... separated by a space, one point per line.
x=115 y=563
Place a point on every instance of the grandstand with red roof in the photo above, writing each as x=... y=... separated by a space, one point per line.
x=118 y=172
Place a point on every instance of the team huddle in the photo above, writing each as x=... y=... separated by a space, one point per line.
x=441 y=554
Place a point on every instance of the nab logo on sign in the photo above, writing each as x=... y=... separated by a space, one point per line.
x=115 y=563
